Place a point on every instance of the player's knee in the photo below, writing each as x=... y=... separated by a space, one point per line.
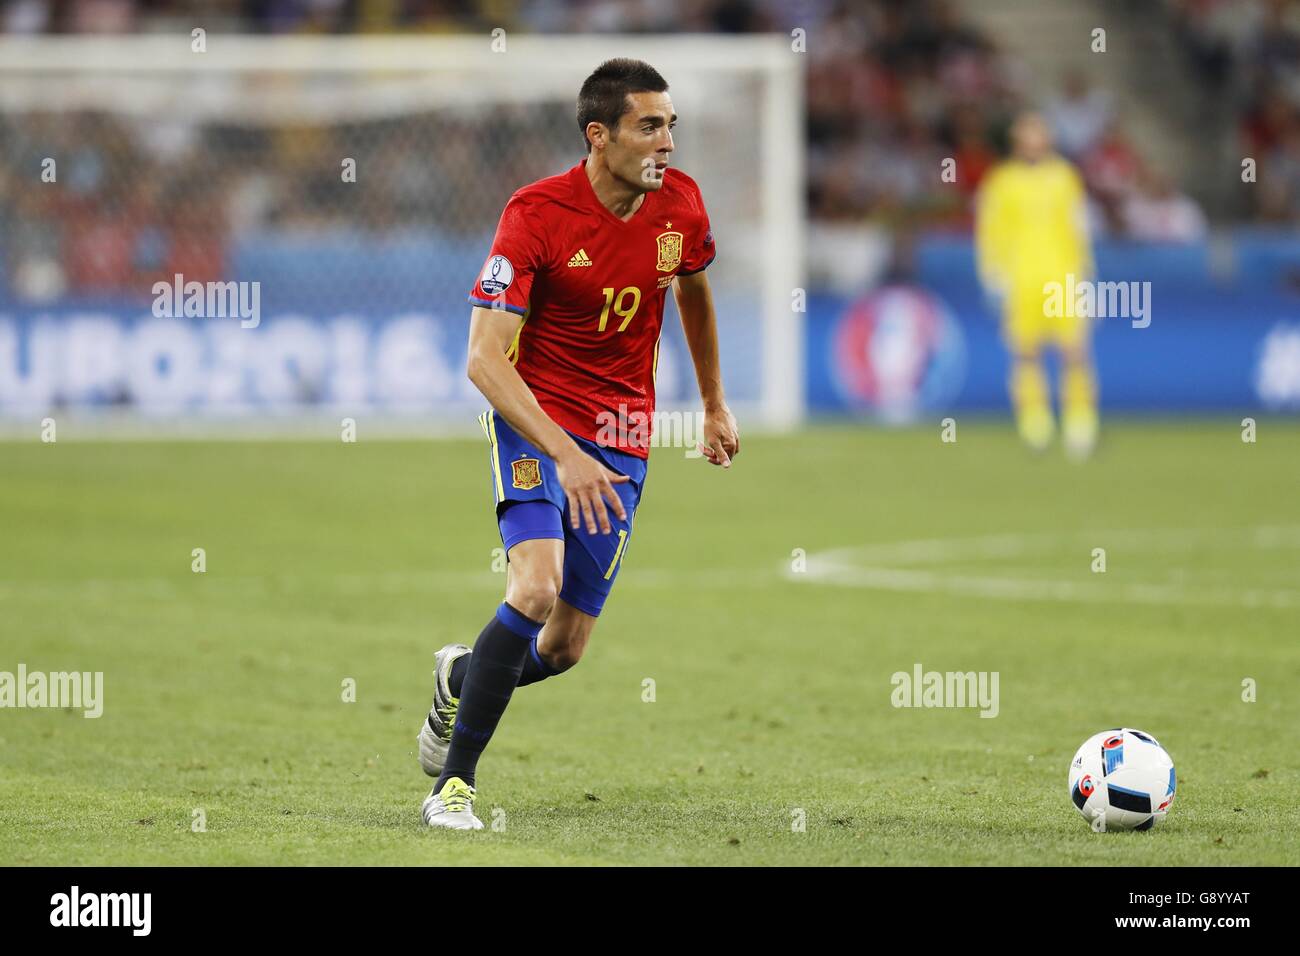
x=534 y=596
x=1075 y=358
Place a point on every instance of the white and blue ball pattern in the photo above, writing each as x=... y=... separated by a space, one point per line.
x=1124 y=776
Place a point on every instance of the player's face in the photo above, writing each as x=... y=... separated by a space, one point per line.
x=1032 y=138
x=638 y=153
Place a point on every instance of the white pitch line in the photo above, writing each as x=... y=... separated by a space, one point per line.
x=1012 y=545
x=862 y=566
x=867 y=566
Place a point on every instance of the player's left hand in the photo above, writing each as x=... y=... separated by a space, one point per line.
x=721 y=437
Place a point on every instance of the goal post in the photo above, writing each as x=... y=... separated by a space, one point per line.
x=353 y=183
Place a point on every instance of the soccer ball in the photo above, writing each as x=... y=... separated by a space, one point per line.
x=1122 y=779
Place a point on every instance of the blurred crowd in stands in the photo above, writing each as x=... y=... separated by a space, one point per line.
x=1251 y=48
x=893 y=88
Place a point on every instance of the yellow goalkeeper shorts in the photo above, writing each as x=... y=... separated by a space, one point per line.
x=1026 y=326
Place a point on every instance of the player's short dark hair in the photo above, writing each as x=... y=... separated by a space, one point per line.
x=603 y=97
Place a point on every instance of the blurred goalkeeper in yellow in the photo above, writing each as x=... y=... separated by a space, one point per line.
x=1031 y=233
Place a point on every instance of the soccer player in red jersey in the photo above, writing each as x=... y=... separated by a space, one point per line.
x=563 y=343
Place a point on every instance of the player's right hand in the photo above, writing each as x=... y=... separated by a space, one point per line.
x=589 y=485
x=995 y=295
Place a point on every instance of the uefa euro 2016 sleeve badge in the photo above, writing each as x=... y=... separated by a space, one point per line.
x=497 y=275
x=670 y=251
x=526 y=473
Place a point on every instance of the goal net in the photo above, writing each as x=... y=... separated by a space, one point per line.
x=334 y=199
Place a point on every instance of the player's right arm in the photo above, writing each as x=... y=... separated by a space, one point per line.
x=991 y=233
x=587 y=483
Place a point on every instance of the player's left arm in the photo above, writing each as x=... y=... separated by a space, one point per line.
x=1079 y=224
x=695 y=305
x=990 y=233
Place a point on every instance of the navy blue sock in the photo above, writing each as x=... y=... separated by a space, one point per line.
x=535 y=669
x=494 y=669
x=456 y=679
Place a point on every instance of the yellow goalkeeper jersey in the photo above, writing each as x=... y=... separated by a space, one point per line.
x=1031 y=226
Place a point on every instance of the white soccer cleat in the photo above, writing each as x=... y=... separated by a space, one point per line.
x=435 y=730
x=1080 y=435
x=451 y=807
x=1036 y=428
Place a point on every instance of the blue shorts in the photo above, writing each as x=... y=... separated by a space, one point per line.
x=521 y=474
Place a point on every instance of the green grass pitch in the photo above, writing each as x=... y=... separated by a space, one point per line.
x=223 y=691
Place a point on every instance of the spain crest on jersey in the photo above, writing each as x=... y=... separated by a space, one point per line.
x=526 y=473
x=670 y=251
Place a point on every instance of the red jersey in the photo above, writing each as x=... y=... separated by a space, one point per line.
x=591 y=291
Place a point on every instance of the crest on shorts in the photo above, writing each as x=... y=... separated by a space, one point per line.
x=526 y=473
x=670 y=251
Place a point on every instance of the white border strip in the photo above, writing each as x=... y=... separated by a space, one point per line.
x=547 y=55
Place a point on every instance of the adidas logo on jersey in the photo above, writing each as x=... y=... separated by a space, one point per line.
x=579 y=258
